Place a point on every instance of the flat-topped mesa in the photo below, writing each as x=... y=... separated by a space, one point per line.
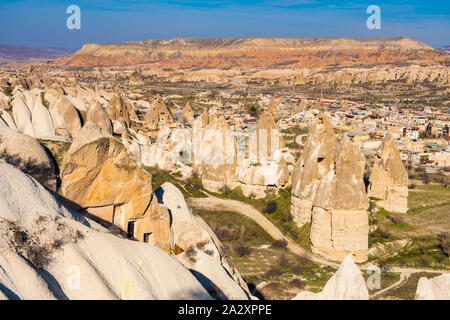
x=389 y=178
x=216 y=158
x=340 y=222
x=314 y=163
x=158 y=115
x=187 y=116
x=268 y=137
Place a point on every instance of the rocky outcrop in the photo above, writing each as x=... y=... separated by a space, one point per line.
x=158 y=115
x=313 y=164
x=97 y=114
x=22 y=117
x=65 y=118
x=268 y=138
x=90 y=263
x=201 y=251
x=437 y=288
x=99 y=175
x=120 y=109
x=254 y=53
x=340 y=221
x=215 y=161
x=8 y=120
x=187 y=116
x=346 y=284
x=27 y=154
x=389 y=178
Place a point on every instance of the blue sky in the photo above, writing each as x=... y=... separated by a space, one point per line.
x=43 y=23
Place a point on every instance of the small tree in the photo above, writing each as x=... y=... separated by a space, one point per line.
x=271 y=207
x=242 y=250
x=280 y=244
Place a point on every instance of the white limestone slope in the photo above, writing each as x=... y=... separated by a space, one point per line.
x=346 y=284
x=210 y=265
x=108 y=267
x=437 y=288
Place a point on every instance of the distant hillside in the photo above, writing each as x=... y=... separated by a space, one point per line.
x=19 y=54
x=444 y=48
x=255 y=53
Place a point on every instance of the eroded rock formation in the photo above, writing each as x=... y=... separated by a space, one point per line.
x=346 y=284
x=389 y=178
x=158 y=115
x=340 y=222
x=187 y=116
x=437 y=288
x=314 y=163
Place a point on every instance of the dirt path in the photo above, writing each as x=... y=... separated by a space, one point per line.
x=214 y=204
x=403 y=277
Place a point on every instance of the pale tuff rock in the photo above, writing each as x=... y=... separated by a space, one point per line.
x=110 y=267
x=268 y=137
x=97 y=114
x=187 y=116
x=283 y=173
x=65 y=118
x=120 y=108
x=216 y=159
x=204 y=117
x=30 y=115
x=389 y=178
x=40 y=116
x=340 y=222
x=437 y=288
x=8 y=120
x=98 y=174
x=208 y=261
x=171 y=151
x=22 y=117
x=313 y=164
x=346 y=284
x=158 y=115
x=27 y=154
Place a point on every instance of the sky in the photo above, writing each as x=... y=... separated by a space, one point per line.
x=42 y=23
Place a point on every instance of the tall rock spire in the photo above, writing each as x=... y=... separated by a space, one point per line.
x=389 y=178
x=340 y=222
x=314 y=163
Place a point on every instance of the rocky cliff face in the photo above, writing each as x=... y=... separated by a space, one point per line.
x=251 y=53
x=340 y=221
x=328 y=190
x=216 y=156
x=346 y=284
x=89 y=262
x=268 y=138
x=157 y=115
x=314 y=163
x=389 y=178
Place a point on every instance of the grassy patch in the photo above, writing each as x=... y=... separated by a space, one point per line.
x=285 y=273
x=421 y=253
x=8 y=91
x=44 y=102
x=426 y=197
x=57 y=148
x=232 y=227
x=191 y=188
x=407 y=290
x=280 y=217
